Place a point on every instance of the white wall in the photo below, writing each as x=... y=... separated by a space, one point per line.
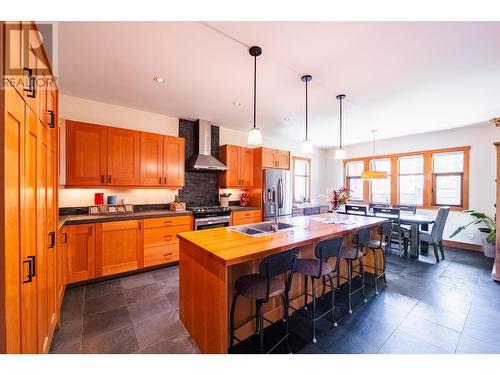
x=85 y=110
x=482 y=187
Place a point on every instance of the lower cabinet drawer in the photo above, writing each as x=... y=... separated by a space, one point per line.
x=162 y=236
x=167 y=221
x=161 y=254
x=246 y=217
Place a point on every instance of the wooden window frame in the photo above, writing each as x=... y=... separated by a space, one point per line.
x=428 y=202
x=347 y=180
x=308 y=177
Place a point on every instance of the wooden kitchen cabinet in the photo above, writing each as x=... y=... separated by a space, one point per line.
x=118 y=247
x=123 y=156
x=81 y=252
x=161 y=245
x=246 y=217
x=239 y=162
x=272 y=158
x=173 y=161
x=151 y=172
x=62 y=264
x=85 y=154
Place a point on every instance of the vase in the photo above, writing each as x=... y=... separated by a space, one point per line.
x=224 y=201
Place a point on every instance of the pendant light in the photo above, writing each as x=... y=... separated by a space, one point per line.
x=340 y=153
x=254 y=134
x=306 y=147
x=374 y=175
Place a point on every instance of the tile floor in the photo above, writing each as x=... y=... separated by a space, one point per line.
x=450 y=307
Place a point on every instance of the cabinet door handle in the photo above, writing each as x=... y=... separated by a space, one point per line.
x=165 y=180
x=52 y=121
x=160 y=180
x=90 y=231
x=52 y=242
x=30 y=276
x=65 y=238
x=140 y=225
x=32 y=258
x=31 y=83
x=109 y=179
x=102 y=179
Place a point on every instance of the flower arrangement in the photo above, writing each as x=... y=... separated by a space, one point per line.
x=496 y=121
x=338 y=197
x=225 y=195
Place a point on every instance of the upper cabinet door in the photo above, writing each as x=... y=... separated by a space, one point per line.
x=86 y=154
x=246 y=167
x=151 y=159
x=282 y=159
x=230 y=156
x=173 y=161
x=123 y=156
x=268 y=158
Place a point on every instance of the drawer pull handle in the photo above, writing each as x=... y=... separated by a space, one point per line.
x=169 y=236
x=167 y=222
x=167 y=254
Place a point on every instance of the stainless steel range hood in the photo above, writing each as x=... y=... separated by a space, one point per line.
x=202 y=160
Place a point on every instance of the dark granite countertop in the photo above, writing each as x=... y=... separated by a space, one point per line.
x=87 y=219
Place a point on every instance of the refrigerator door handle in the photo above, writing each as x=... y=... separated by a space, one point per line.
x=280 y=193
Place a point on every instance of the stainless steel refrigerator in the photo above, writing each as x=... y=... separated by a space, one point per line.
x=281 y=180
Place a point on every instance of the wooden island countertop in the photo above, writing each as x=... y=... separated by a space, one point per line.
x=210 y=261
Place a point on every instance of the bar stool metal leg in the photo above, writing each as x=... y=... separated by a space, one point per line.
x=375 y=279
x=233 y=305
x=333 y=301
x=362 y=270
x=306 y=291
x=313 y=287
x=261 y=326
x=284 y=299
x=349 y=282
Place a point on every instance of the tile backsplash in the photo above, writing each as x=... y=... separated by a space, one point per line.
x=85 y=197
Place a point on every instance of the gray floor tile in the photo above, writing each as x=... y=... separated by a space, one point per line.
x=110 y=320
x=147 y=308
x=431 y=333
x=451 y=319
x=169 y=285
x=102 y=288
x=67 y=349
x=69 y=334
x=166 y=273
x=158 y=328
x=403 y=343
x=142 y=293
x=470 y=345
x=104 y=303
x=121 y=341
x=178 y=344
x=137 y=280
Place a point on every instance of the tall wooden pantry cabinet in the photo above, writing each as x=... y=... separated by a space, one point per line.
x=29 y=257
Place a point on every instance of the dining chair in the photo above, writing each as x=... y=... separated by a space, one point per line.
x=371 y=205
x=355 y=209
x=406 y=207
x=435 y=236
x=395 y=215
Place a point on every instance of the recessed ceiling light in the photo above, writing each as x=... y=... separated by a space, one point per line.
x=237 y=104
x=286 y=118
x=159 y=80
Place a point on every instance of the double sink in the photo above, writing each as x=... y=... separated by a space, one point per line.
x=261 y=229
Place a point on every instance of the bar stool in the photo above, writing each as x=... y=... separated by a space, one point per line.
x=385 y=232
x=261 y=287
x=318 y=268
x=361 y=239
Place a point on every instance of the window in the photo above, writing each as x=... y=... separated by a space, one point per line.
x=380 y=190
x=447 y=178
x=354 y=181
x=411 y=180
x=301 y=180
x=428 y=179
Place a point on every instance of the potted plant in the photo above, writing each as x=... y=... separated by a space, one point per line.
x=488 y=232
x=338 y=197
x=224 y=199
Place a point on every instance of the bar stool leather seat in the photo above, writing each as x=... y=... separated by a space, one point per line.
x=311 y=267
x=255 y=286
x=375 y=244
x=351 y=253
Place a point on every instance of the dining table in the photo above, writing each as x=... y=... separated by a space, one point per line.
x=415 y=221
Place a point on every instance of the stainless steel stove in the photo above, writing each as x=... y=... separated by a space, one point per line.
x=210 y=217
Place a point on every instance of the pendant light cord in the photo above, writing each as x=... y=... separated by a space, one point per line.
x=307 y=115
x=341 y=123
x=254 y=91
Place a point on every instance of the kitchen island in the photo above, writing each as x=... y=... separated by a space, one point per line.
x=212 y=260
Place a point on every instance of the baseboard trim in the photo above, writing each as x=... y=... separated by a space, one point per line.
x=462 y=245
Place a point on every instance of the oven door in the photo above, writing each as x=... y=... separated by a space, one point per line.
x=211 y=222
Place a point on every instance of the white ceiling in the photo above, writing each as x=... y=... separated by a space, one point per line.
x=399 y=77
